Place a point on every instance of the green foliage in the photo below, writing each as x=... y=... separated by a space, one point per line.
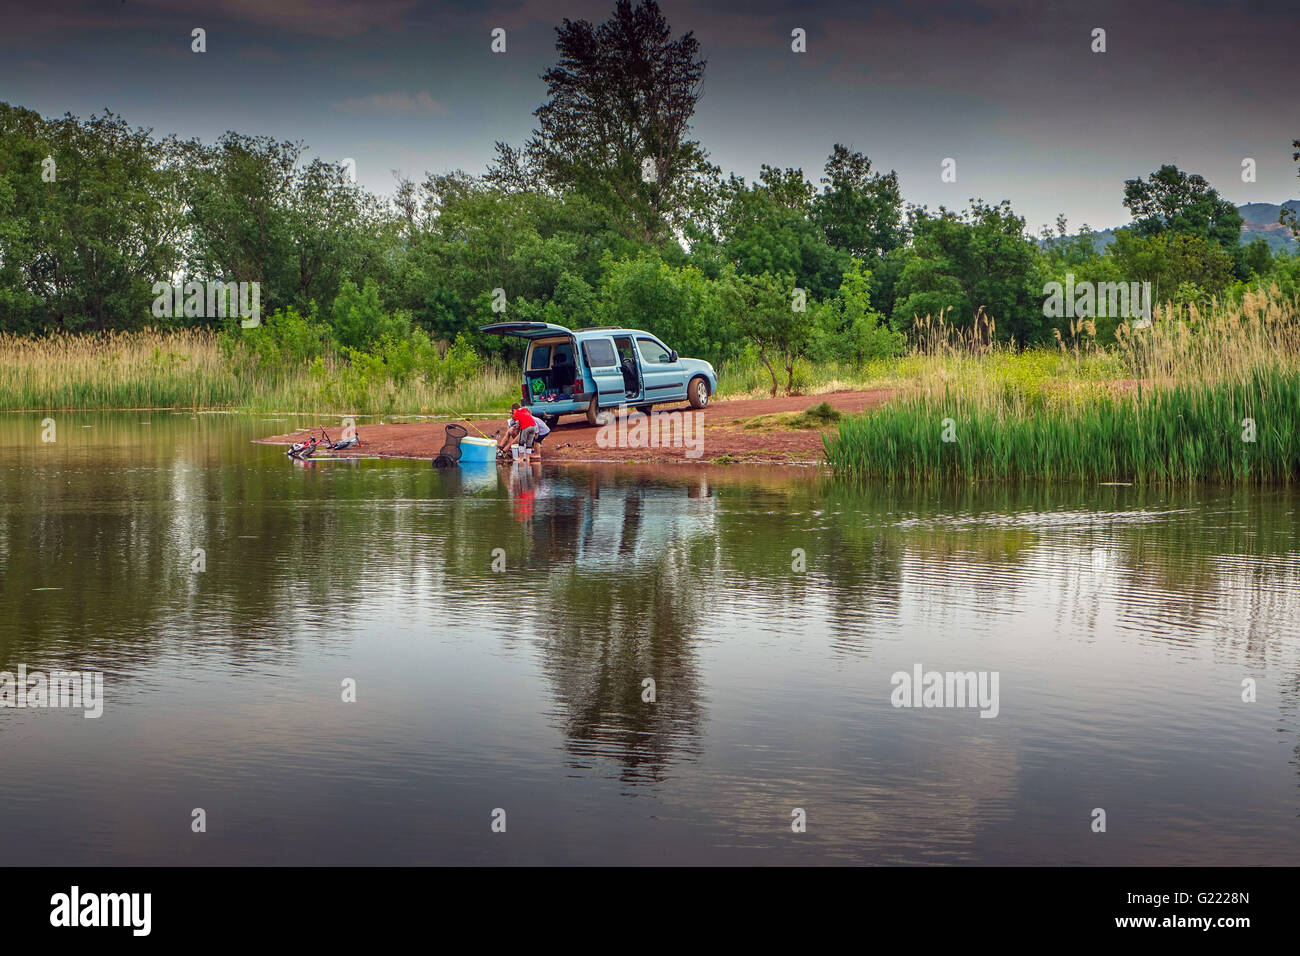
x=689 y=312
x=766 y=229
x=979 y=259
x=858 y=212
x=1169 y=260
x=285 y=339
x=81 y=252
x=1171 y=200
x=820 y=414
x=848 y=329
x=358 y=318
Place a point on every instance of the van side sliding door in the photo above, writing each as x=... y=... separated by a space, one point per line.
x=602 y=361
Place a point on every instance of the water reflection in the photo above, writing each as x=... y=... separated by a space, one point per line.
x=504 y=622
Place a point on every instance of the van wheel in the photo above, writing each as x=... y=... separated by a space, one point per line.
x=593 y=411
x=551 y=420
x=697 y=393
x=644 y=409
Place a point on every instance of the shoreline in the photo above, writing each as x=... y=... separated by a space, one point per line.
x=729 y=433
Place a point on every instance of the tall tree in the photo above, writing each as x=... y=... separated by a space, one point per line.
x=240 y=192
x=1170 y=200
x=616 y=123
x=859 y=212
x=81 y=247
x=981 y=259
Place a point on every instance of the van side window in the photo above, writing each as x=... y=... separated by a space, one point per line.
x=541 y=358
x=598 y=353
x=652 y=353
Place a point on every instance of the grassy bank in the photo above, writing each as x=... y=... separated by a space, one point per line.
x=1213 y=396
x=189 y=369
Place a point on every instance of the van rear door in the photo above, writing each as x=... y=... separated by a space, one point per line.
x=525 y=330
x=530 y=332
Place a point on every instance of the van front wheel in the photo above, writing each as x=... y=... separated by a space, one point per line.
x=697 y=393
x=593 y=411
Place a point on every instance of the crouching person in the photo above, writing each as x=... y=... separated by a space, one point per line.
x=543 y=430
x=526 y=424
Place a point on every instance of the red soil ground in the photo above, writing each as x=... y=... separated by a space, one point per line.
x=724 y=433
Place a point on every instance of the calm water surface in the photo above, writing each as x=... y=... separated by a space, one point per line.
x=1122 y=624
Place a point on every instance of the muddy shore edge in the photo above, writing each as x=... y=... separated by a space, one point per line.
x=725 y=436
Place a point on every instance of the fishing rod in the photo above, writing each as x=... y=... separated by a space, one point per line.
x=467 y=421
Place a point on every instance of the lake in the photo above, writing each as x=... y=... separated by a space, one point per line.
x=497 y=628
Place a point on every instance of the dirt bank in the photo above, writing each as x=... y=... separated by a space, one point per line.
x=725 y=435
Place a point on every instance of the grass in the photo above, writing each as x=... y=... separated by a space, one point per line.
x=1163 y=404
x=187 y=369
x=818 y=416
x=1177 y=402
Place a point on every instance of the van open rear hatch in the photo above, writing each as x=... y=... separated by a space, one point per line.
x=557 y=379
x=525 y=330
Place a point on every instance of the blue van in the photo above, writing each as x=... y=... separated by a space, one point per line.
x=569 y=372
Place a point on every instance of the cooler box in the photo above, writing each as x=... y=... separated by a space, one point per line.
x=477 y=449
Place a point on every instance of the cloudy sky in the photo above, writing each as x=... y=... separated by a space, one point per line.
x=1011 y=90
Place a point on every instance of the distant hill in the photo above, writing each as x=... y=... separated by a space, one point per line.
x=1258 y=219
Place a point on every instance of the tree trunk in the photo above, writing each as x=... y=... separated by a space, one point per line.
x=770 y=371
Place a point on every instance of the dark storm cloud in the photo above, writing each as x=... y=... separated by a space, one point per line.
x=1011 y=91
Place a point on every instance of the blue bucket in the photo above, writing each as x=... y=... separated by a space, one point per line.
x=477 y=449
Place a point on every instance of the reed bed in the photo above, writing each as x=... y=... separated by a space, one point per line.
x=188 y=369
x=1197 y=396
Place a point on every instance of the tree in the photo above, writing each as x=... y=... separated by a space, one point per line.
x=787 y=187
x=1257 y=257
x=1171 y=260
x=513 y=171
x=859 y=213
x=239 y=194
x=848 y=329
x=763 y=230
x=82 y=249
x=1170 y=200
x=1287 y=217
x=336 y=230
x=780 y=332
x=979 y=259
x=616 y=122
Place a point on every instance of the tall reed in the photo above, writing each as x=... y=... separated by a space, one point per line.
x=1203 y=396
x=187 y=369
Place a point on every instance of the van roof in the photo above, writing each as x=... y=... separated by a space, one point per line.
x=614 y=330
x=537 y=330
